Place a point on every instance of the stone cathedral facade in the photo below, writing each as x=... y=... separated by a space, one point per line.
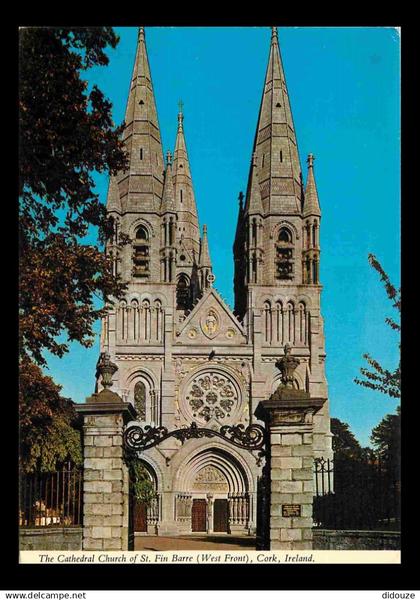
x=183 y=354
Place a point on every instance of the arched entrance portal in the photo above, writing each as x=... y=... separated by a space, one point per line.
x=146 y=516
x=213 y=493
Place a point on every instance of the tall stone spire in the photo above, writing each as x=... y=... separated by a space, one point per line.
x=254 y=201
x=205 y=260
x=275 y=142
x=168 y=197
x=311 y=205
x=186 y=207
x=141 y=185
x=113 y=203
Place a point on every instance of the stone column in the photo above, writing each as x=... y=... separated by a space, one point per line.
x=106 y=483
x=288 y=417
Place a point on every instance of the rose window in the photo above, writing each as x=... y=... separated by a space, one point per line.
x=211 y=395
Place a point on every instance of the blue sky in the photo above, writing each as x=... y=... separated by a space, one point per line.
x=344 y=89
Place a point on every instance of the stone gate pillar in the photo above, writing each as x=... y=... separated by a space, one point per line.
x=105 y=479
x=288 y=415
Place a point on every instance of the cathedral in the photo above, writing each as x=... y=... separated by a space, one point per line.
x=183 y=354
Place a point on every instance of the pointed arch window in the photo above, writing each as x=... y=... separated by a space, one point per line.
x=140 y=400
x=183 y=292
x=141 y=253
x=284 y=254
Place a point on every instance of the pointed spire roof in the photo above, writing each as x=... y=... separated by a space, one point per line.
x=113 y=203
x=184 y=192
x=311 y=204
x=275 y=142
x=142 y=136
x=253 y=201
x=204 y=260
x=168 y=197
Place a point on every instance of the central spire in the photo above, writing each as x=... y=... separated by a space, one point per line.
x=275 y=145
x=188 y=228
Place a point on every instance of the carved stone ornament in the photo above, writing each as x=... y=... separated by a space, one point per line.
x=293 y=417
x=287 y=366
x=210 y=324
x=211 y=395
x=105 y=369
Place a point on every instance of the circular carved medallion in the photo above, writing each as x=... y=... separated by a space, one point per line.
x=211 y=395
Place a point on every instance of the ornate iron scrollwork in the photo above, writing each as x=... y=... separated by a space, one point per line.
x=138 y=439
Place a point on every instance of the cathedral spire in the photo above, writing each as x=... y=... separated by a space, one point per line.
x=275 y=141
x=184 y=191
x=205 y=260
x=311 y=205
x=253 y=201
x=168 y=197
x=113 y=203
x=142 y=137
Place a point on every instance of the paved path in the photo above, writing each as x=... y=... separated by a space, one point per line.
x=192 y=542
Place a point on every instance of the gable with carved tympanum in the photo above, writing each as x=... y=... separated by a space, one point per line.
x=211 y=322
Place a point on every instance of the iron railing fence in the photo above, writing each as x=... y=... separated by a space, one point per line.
x=356 y=494
x=51 y=499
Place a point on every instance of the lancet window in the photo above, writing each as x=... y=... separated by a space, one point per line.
x=284 y=255
x=141 y=253
x=183 y=293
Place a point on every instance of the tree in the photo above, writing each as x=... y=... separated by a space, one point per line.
x=143 y=488
x=386 y=438
x=66 y=133
x=383 y=380
x=50 y=433
x=344 y=443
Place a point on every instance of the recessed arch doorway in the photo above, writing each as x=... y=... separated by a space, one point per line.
x=214 y=493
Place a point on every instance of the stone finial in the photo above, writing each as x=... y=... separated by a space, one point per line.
x=241 y=200
x=141 y=32
x=169 y=157
x=106 y=369
x=310 y=160
x=180 y=114
x=287 y=365
x=274 y=34
x=211 y=279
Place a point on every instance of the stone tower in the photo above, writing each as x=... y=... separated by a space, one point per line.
x=182 y=354
x=276 y=250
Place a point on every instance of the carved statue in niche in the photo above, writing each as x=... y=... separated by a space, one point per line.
x=140 y=400
x=210 y=324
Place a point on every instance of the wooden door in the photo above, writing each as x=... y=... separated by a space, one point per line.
x=140 y=516
x=199 y=515
x=221 y=515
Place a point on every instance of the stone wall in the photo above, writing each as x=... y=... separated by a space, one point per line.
x=356 y=540
x=51 y=538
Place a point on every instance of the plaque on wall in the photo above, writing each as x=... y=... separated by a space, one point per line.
x=291 y=510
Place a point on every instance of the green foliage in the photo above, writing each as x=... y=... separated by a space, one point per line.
x=344 y=443
x=143 y=488
x=386 y=438
x=378 y=378
x=50 y=433
x=66 y=133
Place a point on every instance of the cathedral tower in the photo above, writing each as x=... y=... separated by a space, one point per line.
x=182 y=354
x=276 y=249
